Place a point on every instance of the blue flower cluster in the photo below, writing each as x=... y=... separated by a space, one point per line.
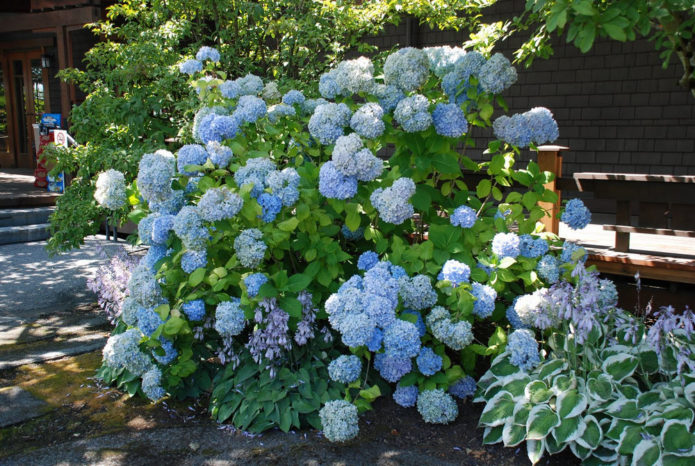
x=327 y=123
x=523 y=349
x=275 y=112
x=154 y=176
x=352 y=235
x=497 y=74
x=392 y=202
x=455 y=272
x=229 y=318
x=156 y=253
x=351 y=159
x=417 y=292
x=253 y=283
x=367 y=121
x=271 y=206
x=532 y=247
x=506 y=245
x=207 y=53
x=250 y=85
x=148 y=320
x=152 y=384
x=194 y=310
x=388 y=96
x=339 y=421
x=188 y=225
x=284 y=184
x=392 y=368
x=190 y=67
x=464 y=387
x=568 y=250
x=401 y=340
x=576 y=214
x=535 y=126
x=428 y=362
x=271 y=93
x=194 y=259
x=328 y=86
x=536 y=309
x=309 y=105
x=230 y=89
x=143 y=287
x=367 y=260
x=161 y=226
x=334 y=184
x=437 y=407
x=145 y=228
x=513 y=317
x=250 y=248
x=170 y=352
x=110 y=189
x=406 y=396
x=355 y=75
x=216 y=127
x=463 y=217
x=449 y=120
x=443 y=59
x=485 y=297
x=455 y=335
x=456 y=83
x=407 y=69
x=412 y=113
x=219 y=204
x=608 y=294
x=123 y=351
x=345 y=369
x=254 y=172
x=548 y=268
x=170 y=206
x=419 y=323
x=250 y=109
x=293 y=97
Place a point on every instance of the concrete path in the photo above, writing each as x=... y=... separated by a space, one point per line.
x=17 y=405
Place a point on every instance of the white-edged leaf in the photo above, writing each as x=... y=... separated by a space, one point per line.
x=569 y=429
x=492 y=435
x=537 y=392
x=629 y=438
x=579 y=451
x=498 y=410
x=646 y=453
x=622 y=408
x=551 y=368
x=571 y=403
x=513 y=434
x=592 y=435
x=541 y=420
x=620 y=365
x=676 y=438
x=689 y=393
x=534 y=450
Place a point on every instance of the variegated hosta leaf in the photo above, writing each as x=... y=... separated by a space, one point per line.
x=513 y=434
x=551 y=368
x=629 y=438
x=620 y=365
x=571 y=403
x=537 y=392
x=648 y=399
x=592 y=435
x=534 y=450
x=562 y=383
x=569 y=429
x=492 y=435
x=622 y=408
x=521 y=412
x=649 y=361
x=646 y=453
x=600 y=388
x=676 y=438
x=579 y=451
x=628 y=389
x=504 y=368
x=616 y=349
x=541 y=420
x=552 y=446
x=689 y=393
x=498 y=410
x=606 y=454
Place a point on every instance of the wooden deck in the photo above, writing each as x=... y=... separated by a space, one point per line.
x=17 y=190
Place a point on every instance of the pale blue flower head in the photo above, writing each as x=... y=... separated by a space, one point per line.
x=328 y=86
x=250 y=248
x=367 y=120
x=250 y=85
x=188 y=225
x=345 y=369
x=207 y=53
x=523 y=349
x=327 y=123
x=276 y=112
x=464 y=217
x=219 y=155
x=497 y=74
x=284 y=184
x=191 y=154
x=576 y=214
x=443 y=59
x=407 y=69
x=532 y=247
x=406 y=396
x=367 y=260
x=271 y=206
x=392 y=202
x=194 y=259
x=449 y=120
x=417 y=292
x=250 y=108
x=456 y=272
x=230 y=89
x=190 y=67
x=485 y=300
x=464 y=387
x=254 y=172
x=154 y=176
x=194 y=310
x=428 y=362
x=333 y=184
x=293 y=97
x=254 y=282
x=152 y=384
x=392 y=368
x=401 y=339
x=437 y=407
x=355 y=75
x=548 y=269
x=505 y=245
x=412 y=113
x=339 y=421
x=229 y=318
x=219 y=204
x=388 y=96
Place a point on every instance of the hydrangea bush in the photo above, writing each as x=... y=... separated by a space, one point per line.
x=290 y=229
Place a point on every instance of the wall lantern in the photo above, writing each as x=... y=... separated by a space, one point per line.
x=46 y=61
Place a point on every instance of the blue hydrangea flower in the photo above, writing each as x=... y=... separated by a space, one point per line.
x=419 y=323
x=194 y=310
x=254 y=282
x=271 y=93
x=129 y=310
x=367 y=260
x=204 y=113
x=219 y=203
x=576 y=215
x=608 y=294
x=532 y=247
x=456 y=83
x=464 y=387
x=381 y=310
x=190 y=67
x=327 y=123
x=417 y=293
x=352 y=235
x=188 y=225
x=412 y=113
x=351 y=159
x=218 y=127
x=339 y=421
x=156 y=253
x=456 y=272
x=218 y=154
x=275 y=112
x=548 y=269
x=345 y=369
x=407 y=69
x=455 y=335
x=568 y=250
x=443 y=59
x=284 y=185
x=230 y=89
x=497 y=74
x=250 y=248
x=449 y=120
x=392 y=368
x=523 y=349
x=250 y=85
x=110 y=189
x=367 y=121
x=170 y=352
x=207 y=53
x=333 y=184
x=542 y=125
x=437 y=407
x=148 y=320
x=161 y=226
x=401 y=339
x=229 y=318
x=250 y=108
x=309 y=105
x=194 y=259
x=505 y=245
x=463 y=217
x=535 y=126
x=379 y=281
x=355 y=75
x=357 y=330
x=328 y=86
x=154 y=176
x=428 y=362
x=123 y=351
x=374 y=343
x=271 y=205
x=171 y=206
x=485 y=300
x=513 y=317
x=406 y=396
x=392 y=203
x=293 y=97
x=143 y=287
x=152 y=384
x=388 y=96
x=254 y=172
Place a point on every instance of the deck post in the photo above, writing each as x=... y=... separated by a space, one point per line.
x=550 y=160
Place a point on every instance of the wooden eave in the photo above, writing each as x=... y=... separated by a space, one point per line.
x=14 y=22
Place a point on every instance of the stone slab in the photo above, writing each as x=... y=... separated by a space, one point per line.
x=51 y=349
x=18 y=405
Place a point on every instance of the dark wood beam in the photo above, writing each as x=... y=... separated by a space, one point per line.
x=14 y=22
x=27 y=44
